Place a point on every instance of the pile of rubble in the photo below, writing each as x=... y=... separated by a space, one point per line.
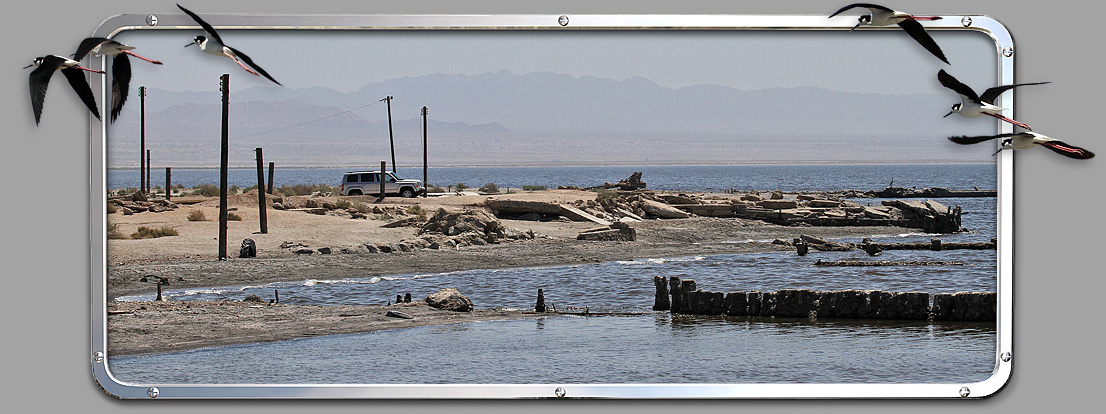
x=138 y=203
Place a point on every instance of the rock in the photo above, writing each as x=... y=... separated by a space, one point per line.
x=248 y=249
x=304 y=250
x=410 y=221
x=616 y=232
x=751 y=197
x=449 y=299
x=324 y=250
x=662 y=210
x=252 y=298
x=278 y=206
x=778 y=204
x=480 y=224
x=126 y=211
x=823 y=203
x=519 y=207
x=138 y=196
x=398 y=314
x=776 y=195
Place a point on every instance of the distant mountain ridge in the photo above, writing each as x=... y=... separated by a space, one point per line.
x=486 y=115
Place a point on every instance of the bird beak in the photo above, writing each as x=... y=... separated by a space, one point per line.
x=190 y=44
x=996 y=152
x=854 y=27
x=25 y=67
x=946 y=115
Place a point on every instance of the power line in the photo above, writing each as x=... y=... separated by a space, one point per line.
x=306 y=122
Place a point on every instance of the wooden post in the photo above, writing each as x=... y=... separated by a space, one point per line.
x=168 y=184
x=380 y=178
x=224 y=86
x=272 y=165
x=425 y=182
x=142 y=140
x=540 y=306
x=935 y=244
x=801 y=248
x=661 y=301
x=159 y=298
x=391 y=140
x=261 y=194
x=148 y=168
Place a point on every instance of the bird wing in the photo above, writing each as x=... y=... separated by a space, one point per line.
x=39 y=80
x=960 y=88
x=80 y=85
x=1066 y=150
x=252 y=65
x=207 y=27
x=120 y=83
x=872 y=7
x=991 y=94
x=965 y=140
x=915 y=30
x=87 y=45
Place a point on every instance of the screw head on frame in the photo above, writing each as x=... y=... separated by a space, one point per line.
x=563 y=20
x=151 y=20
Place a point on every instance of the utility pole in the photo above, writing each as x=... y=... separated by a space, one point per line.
x=224 y=87
x=425 y=183
x=142 y=141
x=391 y=139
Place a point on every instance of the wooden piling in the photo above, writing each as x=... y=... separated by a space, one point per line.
x=661 y=302
x=142 y=139
x=425 y=182
x=935 y=244
x=677 y=305
x=148 y=168
x=383 y=168
x=540 y=306
x=261 y=194
x=168 y=184
x=224 y=87
x=801 y=248
x=272 y=166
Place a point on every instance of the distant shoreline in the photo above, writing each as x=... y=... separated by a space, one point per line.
x=765 y=163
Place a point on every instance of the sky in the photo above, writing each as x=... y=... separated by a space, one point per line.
x=860 y=61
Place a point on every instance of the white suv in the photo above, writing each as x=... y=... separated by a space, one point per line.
x=368 y=182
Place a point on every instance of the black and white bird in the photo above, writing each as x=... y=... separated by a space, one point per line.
x=1023 y=140
x=214 y=45
x=40 y=79
x=882 y=16
x=972 y=105
x=120 y=67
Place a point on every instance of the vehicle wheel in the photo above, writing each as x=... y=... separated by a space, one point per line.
x=407 y=192
x=354 y=192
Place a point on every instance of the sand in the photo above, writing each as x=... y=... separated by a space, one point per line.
x=190 y=260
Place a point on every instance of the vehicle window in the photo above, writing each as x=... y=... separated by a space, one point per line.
x=391 y=178
x=351 y=178
x=368 y=178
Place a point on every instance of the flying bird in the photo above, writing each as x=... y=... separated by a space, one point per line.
x=214 y=45
x=882 y=16
x=973 y=105
x=1023 y=140
x=40 y=79
x=120 y=67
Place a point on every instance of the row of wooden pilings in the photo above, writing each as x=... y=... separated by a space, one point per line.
x=683 y=297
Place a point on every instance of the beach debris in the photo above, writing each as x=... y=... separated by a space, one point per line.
x=252 y=298
x=449 y=299
x=630 y=184
x=323 y=250
x=615 y=232
x=248 y=249
x=826 y=245
x=662 y=210
x=407 y=298
x=398 y=314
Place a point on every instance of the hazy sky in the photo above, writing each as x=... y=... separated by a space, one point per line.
x=861 y=61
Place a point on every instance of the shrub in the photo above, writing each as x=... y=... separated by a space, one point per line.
x=461 y=186
x=490 y=188
x=149 y=233
x=418 y=211
x=232 y=216
x=302 y=189
x=361 y=208
x=343 y=204
x=111 y=208
x=435 y=189
x=533 y=187
x=605 y=193
x=196 y=215
x=114 y=233
x=206 y=190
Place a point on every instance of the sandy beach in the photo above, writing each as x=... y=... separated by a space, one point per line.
x=190 y=260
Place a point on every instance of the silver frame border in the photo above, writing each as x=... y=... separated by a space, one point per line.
x=98 y=215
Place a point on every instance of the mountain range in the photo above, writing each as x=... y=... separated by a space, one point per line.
x=543 y=118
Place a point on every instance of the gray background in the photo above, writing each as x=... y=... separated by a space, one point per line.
x=46 y=256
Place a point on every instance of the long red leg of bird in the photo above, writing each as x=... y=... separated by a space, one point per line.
x=244 y=67
x=1064 y=148
x=140 y=57
x=1010 y=120
x=90 y=70
x=926 y=18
